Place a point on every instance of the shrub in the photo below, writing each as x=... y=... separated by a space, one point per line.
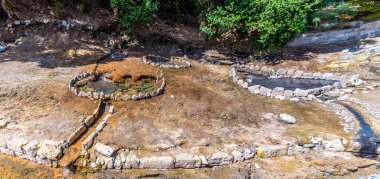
x=274 y=22
x=132 y=13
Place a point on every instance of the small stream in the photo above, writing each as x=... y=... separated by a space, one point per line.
x=288 y=83
x=367 y=137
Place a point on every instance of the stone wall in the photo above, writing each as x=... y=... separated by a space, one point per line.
x=46 y=152
x=167 y=63
x=280 y=93
x=114 y=96
x=338 y=36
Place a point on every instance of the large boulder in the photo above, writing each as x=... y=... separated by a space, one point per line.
x=334 y=145
x=288 y=118
x=184 y=160
x=265 y=91
x=278 y=91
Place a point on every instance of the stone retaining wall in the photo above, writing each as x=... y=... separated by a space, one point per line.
x=46 y=152
x=107 y=157
x=280 y=93
x=114 y=96
x=172 y=63
x=338 y=36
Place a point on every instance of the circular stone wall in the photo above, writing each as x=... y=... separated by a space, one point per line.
x=76 y=86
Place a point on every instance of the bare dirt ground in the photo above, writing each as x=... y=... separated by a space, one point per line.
x=201 y=109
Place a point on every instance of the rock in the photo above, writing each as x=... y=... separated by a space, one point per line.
x=290 y=73
x=297 y=74
x=135 y=97
x=157 y=162
x=112 y=110
x=288 y=118
x=76 y=134
x=328 y=76
x=101 y=96
x=104 y=149
x=334 y=145
x=332 y=94
x=16 y=145
x=311 y=97
x=249 y=153
x=3 y=123
x=295 y=149
x=271 y=151
x=31 y=148
x=238 y=156
x=204 y=161
x=281 y=72
x=288 y=94
x=244 y=85
x=131 y=161
x=240 y=82
x=278 y=91
x=307 y=75
x=219 y=158
x=101 y=125
x=265 y=91
x=316 y=140
x=89 y=120
x=49 y=150
x=300 y=93
x=317 y=75
x=270 y=116
x=187 y=161
x=118 y=164
x=294 y=99
x=126 y=97
x=254 y=89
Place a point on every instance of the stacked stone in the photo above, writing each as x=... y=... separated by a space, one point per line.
x=342 y=81
x=166 y=63
x=348 y=119
x=113 y=96
x=106 y=157
x=46 y=152
x=88 y=142
x=60 y=23
x=338 y=36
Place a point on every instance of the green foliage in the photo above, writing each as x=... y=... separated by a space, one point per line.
x=367 y=10
x=132 y=13
x=58 y=9
x=276 y=21
x=331 y=11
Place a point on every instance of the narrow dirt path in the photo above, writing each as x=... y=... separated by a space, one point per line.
x=73 y=152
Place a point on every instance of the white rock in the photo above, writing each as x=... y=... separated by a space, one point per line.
x=269 y=116
x=112 y=110
x=104 y=149
x=300 y=93
x=271 y=151
x=288 y=118
x=131 y=161
x=184 y=160
x=220 y=158
x=238 y=156
x=157 y=162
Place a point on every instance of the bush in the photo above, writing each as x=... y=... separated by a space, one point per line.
x=270 y=23
x=132 y=13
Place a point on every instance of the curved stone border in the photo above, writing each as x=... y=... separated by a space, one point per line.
x=343 y=81
x=117 y=97
x=146 y=60
x=371 y=110
x=60 y=23
x=347 y=117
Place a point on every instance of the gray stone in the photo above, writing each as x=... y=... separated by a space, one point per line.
x=135 y=97
x=334 y=145
x=300 y=93
x=328 y=76
x=112 y=110
x=317 y=75
x=240 y=82
x=219 y=158
x=101 y=96
x=295 y=149
x=49 y=150
x=270 y=116
x=126 y=97
x=288 y=94
x=281 y=72
x=332 y=94
x=104 y=149
x=297 y=74
x=278 y=91
x=184 y=160
x=118 y=164
x=249 y=153
x=308 y=75
x=204 y=161
x=76 y=134
x=254 y=89
x=131 y=161
x=157 y=162
x=238 y=156
x=244 y=85
x=288 y=118
x=265 y=91
x=89 y=120
x=95 y=95
x=290 y=73
x=271 y=151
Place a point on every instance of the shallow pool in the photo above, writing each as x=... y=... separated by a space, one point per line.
x=288 y=83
